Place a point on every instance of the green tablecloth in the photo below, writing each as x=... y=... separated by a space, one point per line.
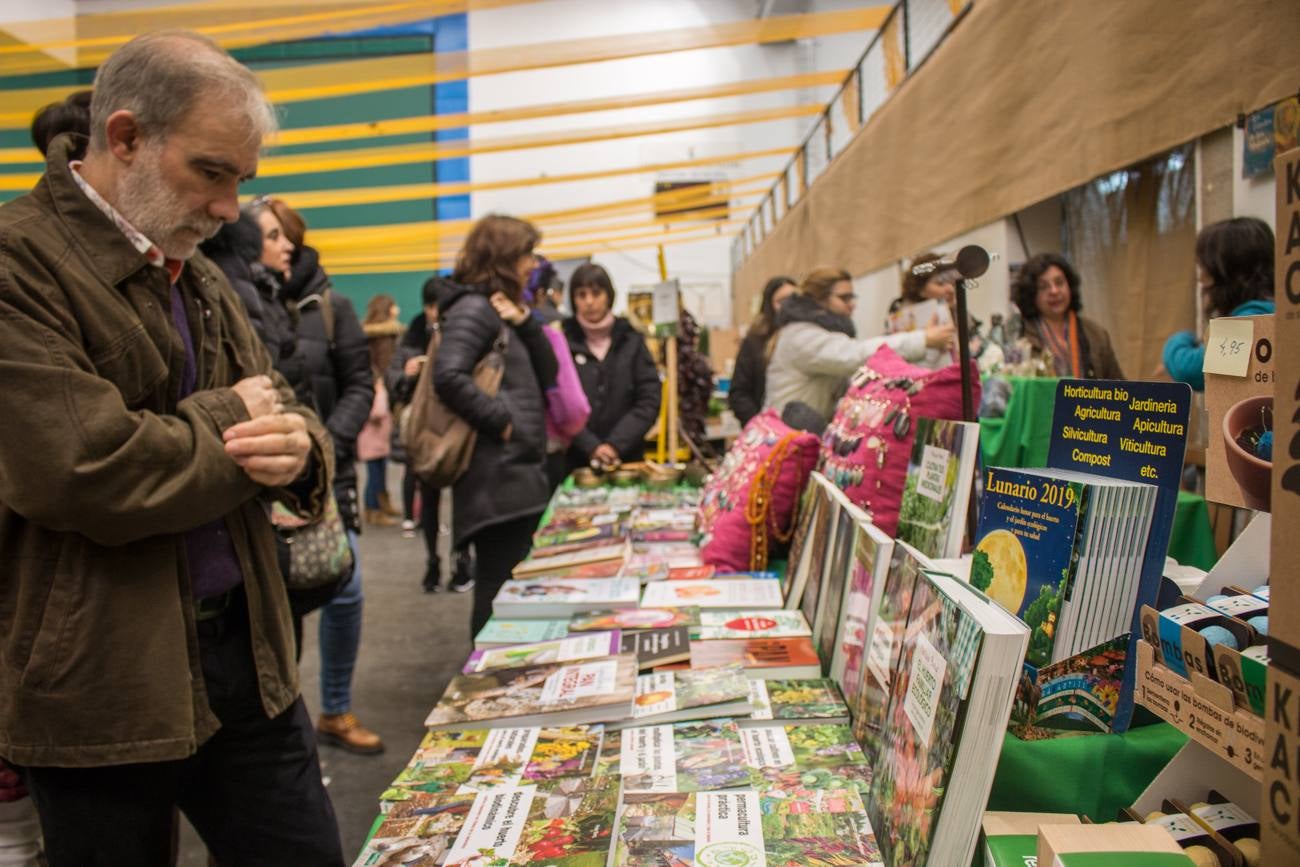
x=1021 y=439
x=1092 y=775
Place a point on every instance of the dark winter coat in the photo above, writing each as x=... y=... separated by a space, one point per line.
x=337 y=381
x=506 y=479
x=623 y=390
x=749 y=378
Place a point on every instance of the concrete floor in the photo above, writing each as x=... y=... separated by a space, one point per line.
x=412 y=643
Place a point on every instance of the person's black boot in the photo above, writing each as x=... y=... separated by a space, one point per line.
x=462 y=579
x=432 y=580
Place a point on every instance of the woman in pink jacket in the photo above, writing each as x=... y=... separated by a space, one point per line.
x=374 y=443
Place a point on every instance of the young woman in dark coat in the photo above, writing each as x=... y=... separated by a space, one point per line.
x=338 y=383
x=617 y=373
x=749 y=378
x=497 y=503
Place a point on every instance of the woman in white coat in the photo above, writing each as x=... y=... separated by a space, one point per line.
x=815 y=347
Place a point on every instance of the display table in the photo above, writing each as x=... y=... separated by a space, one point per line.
x=1021 y=439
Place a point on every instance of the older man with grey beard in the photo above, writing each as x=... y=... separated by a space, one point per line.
x=146 y=651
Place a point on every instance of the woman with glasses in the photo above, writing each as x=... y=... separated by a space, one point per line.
x=815 y=347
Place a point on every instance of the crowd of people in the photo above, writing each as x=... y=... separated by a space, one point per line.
x=151 y=647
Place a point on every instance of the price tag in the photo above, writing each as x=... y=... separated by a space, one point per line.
x=1228 y=346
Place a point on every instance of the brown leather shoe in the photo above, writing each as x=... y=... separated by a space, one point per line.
x=345 y=731
x=380 y=518
x=386 y=505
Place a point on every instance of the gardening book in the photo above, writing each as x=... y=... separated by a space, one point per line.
x=767 y=658
x=747 y=594
x=552 y=598
x=810 y=756
x=497 y=632
x=785 y=702
x=825 y=617
x=418 y=832
x=750 y=624
x=682 y=757
x=885 y=642
x=551 y=694
x=808 y=828
x=659 y=646
x=633 y=619
x=808 y=548
x=674 y=696
x=592 y=645
x=932 y=514
x=613 y=553
x=872 y=551
x=949 y=704
x=473 y=760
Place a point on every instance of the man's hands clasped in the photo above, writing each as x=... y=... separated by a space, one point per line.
x=272 y=446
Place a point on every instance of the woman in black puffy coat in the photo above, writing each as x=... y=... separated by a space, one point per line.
x=617 y=373
x=497 y=503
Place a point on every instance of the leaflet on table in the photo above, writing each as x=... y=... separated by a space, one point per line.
x=590 y=646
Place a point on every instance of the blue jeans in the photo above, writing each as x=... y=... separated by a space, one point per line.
x=376 y=481
x=340 y=638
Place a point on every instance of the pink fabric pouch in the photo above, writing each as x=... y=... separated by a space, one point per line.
x=748 y=504
x=865 y=449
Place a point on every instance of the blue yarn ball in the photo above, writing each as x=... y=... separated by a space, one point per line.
x=1260 y=623
x=1215 y=635
x=1264 y=448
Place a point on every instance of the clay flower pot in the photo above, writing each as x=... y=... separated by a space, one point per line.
x=1253 y=476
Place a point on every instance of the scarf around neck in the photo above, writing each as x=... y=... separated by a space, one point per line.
x=599 y=335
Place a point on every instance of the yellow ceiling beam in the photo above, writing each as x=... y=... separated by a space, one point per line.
x=38 y=46
x=415 y=192
x=423 y=152
x=287 y=84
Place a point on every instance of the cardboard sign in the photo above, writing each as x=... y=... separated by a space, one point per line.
x=1227 y=346
x=1280 y=823
x=1286 y=415
x=1237 y=481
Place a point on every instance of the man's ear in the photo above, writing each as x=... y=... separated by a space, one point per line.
x=122 y=133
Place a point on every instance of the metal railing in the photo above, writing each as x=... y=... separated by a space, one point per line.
x=909 y=34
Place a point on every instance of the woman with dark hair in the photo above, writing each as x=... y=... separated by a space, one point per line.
x=1234 y=268
x=382 y=329
x=815 y=347
x=749 y=378
x=618 y=375
x=71 y=115
x=336 y=381
x=499 y=500
x=1046 y=290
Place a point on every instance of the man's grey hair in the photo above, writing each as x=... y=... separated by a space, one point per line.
x=161 y=77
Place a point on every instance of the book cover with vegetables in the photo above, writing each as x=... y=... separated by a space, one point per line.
x=817 y=827
x=480 y=759
x=923 y=724
x=883 y=647
x=936 y=493
x=810 y=700
x=811 y=756
x=570 y=825
x=682 y=757
x=1028 y=546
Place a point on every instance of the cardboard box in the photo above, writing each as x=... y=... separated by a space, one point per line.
x=1280 y=819
x=1127 y=841
x=1194 y=770
x=1011 y=839
x=1223 y=394
x=1204 y=709
x=1284 y=635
